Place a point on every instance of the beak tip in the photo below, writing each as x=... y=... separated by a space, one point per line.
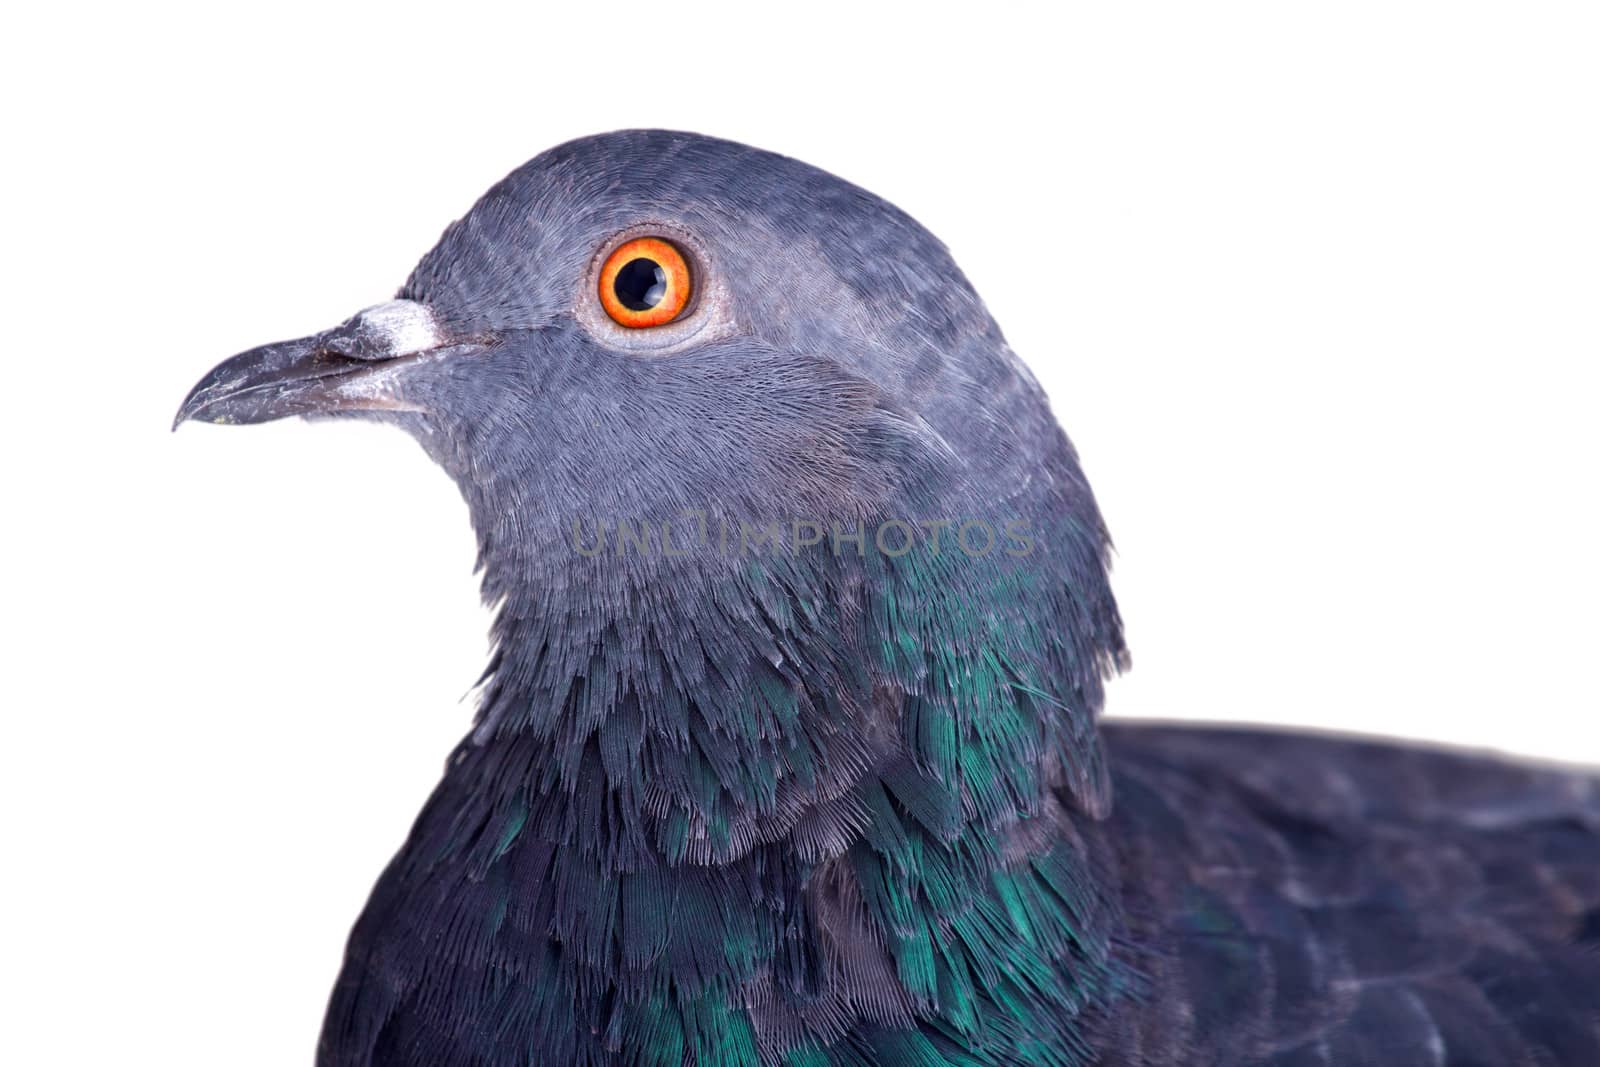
x=205 y=405
x=188 y=410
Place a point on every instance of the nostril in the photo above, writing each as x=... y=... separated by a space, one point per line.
x=337 y=351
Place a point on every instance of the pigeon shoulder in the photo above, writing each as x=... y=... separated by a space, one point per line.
x=1311 y=899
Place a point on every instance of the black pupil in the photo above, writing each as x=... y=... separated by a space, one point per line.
x=640 y=284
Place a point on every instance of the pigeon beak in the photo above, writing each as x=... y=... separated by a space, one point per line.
x=353 y=367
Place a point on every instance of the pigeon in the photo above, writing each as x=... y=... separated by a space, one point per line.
x=788 y=751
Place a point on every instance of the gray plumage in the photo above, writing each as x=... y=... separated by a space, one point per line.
x=799 y=803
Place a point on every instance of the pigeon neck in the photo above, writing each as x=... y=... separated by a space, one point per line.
x=784 y=802
x=740 y=691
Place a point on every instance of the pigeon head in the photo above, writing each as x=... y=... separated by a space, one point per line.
x=808 y=352
x=718 y=415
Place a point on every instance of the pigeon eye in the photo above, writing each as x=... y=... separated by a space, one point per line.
x=645 y=282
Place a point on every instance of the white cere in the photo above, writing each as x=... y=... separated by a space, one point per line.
x=400 y=327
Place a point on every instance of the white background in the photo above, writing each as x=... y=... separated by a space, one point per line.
x=1313 y=288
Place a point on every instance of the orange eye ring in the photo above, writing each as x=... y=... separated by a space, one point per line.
x=645 y=282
